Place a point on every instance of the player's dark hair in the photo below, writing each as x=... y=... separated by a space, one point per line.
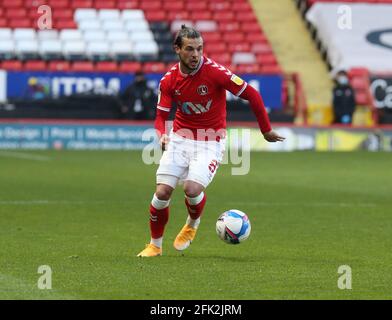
x=185 y=32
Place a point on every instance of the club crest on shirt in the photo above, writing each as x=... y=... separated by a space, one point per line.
x=177 y=92
x=202 y=90
x=237 y=80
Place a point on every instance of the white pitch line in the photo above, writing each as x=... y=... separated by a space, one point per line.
x=23 y=155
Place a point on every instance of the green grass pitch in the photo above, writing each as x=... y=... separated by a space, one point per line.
x=85 y=214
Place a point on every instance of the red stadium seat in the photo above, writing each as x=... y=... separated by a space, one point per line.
x=241 y=7
x=224 y=16
x=229 y=26
x=34 y=65
x=12 y=65
x=222 y=58
x=154 y=67
x=272 y=69
x=61 y=13
x=178 y=15
x=33 y=4
x=2 y=12
x=173 y=5
x=211 y=36
x=263 y=48
x=130 y=66
x=64 y=24
x=13 y=4
x=105 y=4
x=59 y=66
x=3 y=23
x=196 y=6
x=82 y=66
x=251 y=27
x=20 y=23
x=13 y=13
x=266 y=59
x=56 y=4
x=220 y=6
x=159 y=15
x=150 y=5
x=75 y=4
x=127 y=4
x=201 y=15
x=257 y=37
x=248 y=68
x=217 y=47
x=106 y=66
x=246 y=17
x=234 y=37
x=239 y=47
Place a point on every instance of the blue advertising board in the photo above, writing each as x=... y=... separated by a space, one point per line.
x=57 y=84
x=75 y=136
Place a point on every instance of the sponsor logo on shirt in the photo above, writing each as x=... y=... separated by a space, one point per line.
x=188 y=107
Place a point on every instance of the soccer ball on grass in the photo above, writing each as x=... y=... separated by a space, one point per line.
x=233 y=226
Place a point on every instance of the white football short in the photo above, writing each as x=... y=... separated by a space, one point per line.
x=187 y=159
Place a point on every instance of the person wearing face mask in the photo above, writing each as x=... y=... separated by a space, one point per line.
x=138 y=99
x=343 y=99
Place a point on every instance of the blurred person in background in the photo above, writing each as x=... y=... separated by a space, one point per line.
x=138 y=100
x=343 y=99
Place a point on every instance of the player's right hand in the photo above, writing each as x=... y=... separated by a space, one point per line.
x=164 y=141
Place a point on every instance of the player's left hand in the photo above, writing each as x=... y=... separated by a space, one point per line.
x=272 y=136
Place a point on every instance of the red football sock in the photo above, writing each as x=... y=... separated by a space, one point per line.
x=158 y=220
x=195 y=211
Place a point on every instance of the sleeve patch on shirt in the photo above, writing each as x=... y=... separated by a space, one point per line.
x=237 y=80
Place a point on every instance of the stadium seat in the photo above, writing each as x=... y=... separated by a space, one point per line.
x=115 y=36
x=7 y=49
x=154 y=67
x=105 y=4
x=82 y=66
x=90 y=24
x=13 y=4
x=44 y=35
x=136 y=25
x=74 y=50
x=122 y=50
x=127 y=4
x=132 y=15
x=27 y=49
x=24 y=34
x=110 y=25
x=35 y=65
x=64 y=24
x=130 y=66
x=3 y=22
x=85 y=14
x=51 y=49
x=243 y=58
x=77 y=4
x=109 y=14
x=158 y=15
x=98 y=51
x=15 y=13
x=12 y=65
x=6 y=34
x=106 y=66
x=94 y=35
x=176 y=25
x=178 y=15
x=70 y=35
x=141 y=36
x=146 y=48
x=20 y=23
x=59 y=65
x=206 y=26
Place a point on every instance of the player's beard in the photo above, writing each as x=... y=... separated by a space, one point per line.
x=188 y=66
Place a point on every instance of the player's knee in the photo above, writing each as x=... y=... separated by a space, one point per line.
x=163 y=192
x=193 y=189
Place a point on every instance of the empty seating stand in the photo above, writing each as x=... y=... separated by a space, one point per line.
x=129 y=35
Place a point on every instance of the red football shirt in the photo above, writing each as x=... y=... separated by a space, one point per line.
x=200 y=96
